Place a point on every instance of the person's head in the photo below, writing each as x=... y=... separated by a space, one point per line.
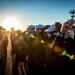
x=58 y=26
x=45 y=27
x=0 y=28
x=12 y=29
x=3 y=29
x=70 y=33
x=18 y=32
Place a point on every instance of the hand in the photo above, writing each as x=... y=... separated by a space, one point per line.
x=69 y=23
x=66 y=26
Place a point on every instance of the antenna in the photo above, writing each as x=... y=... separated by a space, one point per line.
x=72 y=12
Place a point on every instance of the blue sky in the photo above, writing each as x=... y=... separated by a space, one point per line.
x=34 y=12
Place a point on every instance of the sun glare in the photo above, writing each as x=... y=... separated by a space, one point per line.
x=11 y=22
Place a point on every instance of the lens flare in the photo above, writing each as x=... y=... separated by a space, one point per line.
x=10 y=22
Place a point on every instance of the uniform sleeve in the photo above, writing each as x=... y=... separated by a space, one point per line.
x=58 y=41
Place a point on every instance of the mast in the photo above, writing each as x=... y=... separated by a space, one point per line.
x=72 y=12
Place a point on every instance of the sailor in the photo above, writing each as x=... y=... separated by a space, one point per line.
x=59 y=47
x=21 y=53
x=37 y=48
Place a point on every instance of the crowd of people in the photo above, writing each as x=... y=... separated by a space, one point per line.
x=38 y=51
x=3 y=49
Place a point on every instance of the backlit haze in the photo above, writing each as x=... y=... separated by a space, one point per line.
x=21 y=13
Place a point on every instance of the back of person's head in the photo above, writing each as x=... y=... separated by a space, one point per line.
x=12 y=29
x=0 y=28
x=58 y=26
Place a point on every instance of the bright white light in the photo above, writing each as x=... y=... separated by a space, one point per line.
x=11 y=22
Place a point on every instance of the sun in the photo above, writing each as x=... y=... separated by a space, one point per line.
x=10 y=22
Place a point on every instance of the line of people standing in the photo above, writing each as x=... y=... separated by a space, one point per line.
x=43 y=54
x=3 y=49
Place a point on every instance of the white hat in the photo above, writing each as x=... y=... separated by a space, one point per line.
x=39 y=26
x=71 y=33
x=31 y=26
x=51 y=28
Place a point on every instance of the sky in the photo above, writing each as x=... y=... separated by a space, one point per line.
x=34 y=12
